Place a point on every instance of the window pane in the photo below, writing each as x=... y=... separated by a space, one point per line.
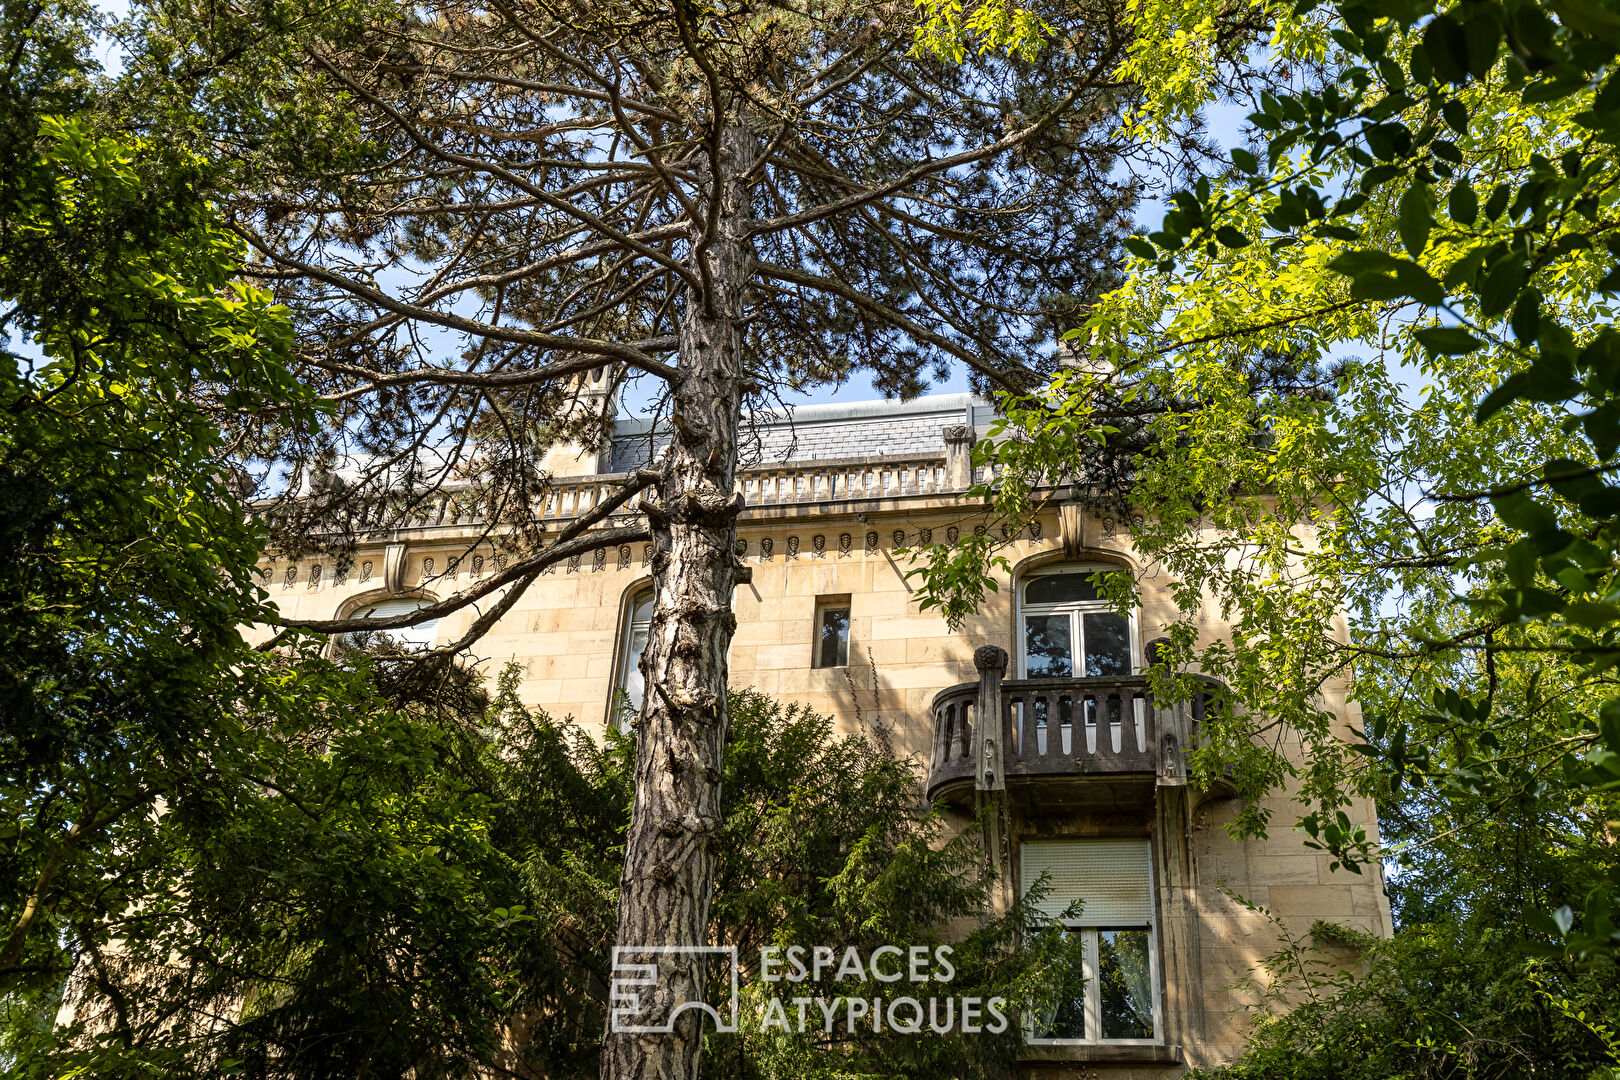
x=1061 y=588
x=1124 y=984
x=1068 y=1019
x=643 y=607
x=1108 y=644
x=635 y=688
x=1047 y=653
x=412 y=638
x=832 y=650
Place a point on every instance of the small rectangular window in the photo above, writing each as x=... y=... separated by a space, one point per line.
x=832 y=632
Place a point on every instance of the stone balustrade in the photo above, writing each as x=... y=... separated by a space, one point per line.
x=1106 y=727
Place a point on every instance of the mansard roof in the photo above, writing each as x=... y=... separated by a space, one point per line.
x=834 y=431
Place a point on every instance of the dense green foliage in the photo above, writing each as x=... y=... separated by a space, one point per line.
x=1366 y=372
x=1437 y=1001
x=424 y=884
x=1362 y=382
x=129 y=564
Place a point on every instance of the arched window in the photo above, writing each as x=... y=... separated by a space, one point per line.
x=635 y=643
x=419 y=636
x=1068 y=630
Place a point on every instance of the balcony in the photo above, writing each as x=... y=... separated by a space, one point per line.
x=1060 y=734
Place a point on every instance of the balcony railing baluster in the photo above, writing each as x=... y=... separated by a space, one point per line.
x=1102 y=726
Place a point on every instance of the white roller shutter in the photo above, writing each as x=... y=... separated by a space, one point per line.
x=1113 y=879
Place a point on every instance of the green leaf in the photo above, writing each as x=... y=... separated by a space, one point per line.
x=1231 y=237
x=1498 y=202
x=1482 y=35
x=1245 y=161
x=1141 y=248
x=1463 y=203
x=1526 y=319
x=1416 y=218
x=1501 y=287
x=1590 y=17
x=1446 y=46
x=1520 y=511
x=1447 y=340
x=1511 y=389
x=1455 y=115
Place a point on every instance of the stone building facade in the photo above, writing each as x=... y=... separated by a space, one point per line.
x=1086 y=774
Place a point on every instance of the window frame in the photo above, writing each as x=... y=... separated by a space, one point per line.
x=1076 y=610
x=625 y=662
x=824 y=604
x=1091 y=961
x=354 y=606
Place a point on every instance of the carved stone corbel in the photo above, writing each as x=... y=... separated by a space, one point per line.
x=1072 y=524
x=394 y=567
x=990 y=771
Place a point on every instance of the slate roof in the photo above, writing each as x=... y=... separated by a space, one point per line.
x=822 y=432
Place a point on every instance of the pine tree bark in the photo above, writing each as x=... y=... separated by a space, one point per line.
x=670 y=850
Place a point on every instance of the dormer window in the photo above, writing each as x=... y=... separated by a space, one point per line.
x=1069 y=629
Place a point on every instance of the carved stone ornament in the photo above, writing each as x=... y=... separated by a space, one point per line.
x=766 y=546
x=573 y=564
x=598 y=560
x=478 y=566
x=365 y=572
x=1072 y=526
x=793 y=547
x=1034 y=530
x=950 y=536
x=871 y=543
x=740 y=548
x=394 y=567
x=340 y=574
x=292 y=576
x=990 y=658
x=452 y=565
x=500 y=562
x=1008 y=531
x=1109 y=529
x=818 y=545
x=925 y=536
x=624 y=556
x=315 y=576
x=427 y=568
x=899 y=538
x=845 y=543
x=646 y=554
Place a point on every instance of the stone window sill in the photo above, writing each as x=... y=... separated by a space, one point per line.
x=1102 y=1054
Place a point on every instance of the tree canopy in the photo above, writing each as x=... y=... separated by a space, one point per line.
x=1361 y=380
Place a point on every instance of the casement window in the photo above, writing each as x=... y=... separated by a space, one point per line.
x=414 y=638
x=831 y=632
x=634 y=641
x=1068 y=630
x=1113 y=882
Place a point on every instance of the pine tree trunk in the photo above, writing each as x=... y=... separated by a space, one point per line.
x=674 y=826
